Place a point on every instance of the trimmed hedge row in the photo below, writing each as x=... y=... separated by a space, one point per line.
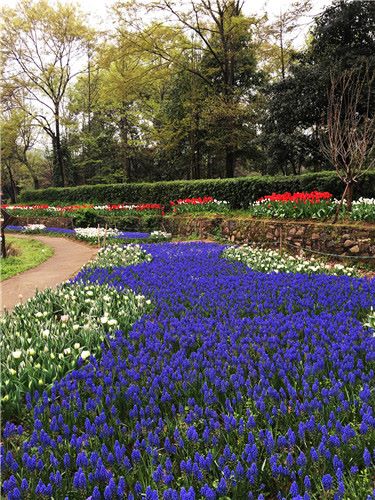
x=239 y=192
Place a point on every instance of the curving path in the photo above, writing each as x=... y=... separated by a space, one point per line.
x=67 y=260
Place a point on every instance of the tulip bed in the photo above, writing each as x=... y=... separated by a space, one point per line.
x=67 y=210
x=314 y=205
x=237 y=385
x=300 y=205
x=197 y=205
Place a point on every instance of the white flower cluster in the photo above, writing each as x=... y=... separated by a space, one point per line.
x=364 y=201
x=160 y=235
x=34 y=228
x=43 y=338
x=89 y=233
x=120 y=256
x=370 y=320
x=118 y=207
x=271 y=261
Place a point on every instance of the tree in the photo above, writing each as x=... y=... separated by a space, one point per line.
x=39 y=44
x=350 y=126
x=283 y=32
x=22 y=164
x=222 y=36
x=342 y=35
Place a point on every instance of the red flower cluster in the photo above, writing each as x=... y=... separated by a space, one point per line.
x=313 y=197
x=193 y=201
x=150 y=206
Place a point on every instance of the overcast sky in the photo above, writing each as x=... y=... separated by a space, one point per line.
x=98 y=16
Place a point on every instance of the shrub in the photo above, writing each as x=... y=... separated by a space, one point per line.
x=86 y=217
x=133 y=223
x=238 y=192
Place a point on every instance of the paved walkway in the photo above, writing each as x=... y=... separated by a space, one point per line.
x=67 y=260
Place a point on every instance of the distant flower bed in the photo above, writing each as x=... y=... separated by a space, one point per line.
x=314 y=205
x=82 y=233
x=313 y=197
x=300 y=205
x=66 y=210
x=206 y=204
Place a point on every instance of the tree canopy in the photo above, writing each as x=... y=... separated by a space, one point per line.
x=172 y=91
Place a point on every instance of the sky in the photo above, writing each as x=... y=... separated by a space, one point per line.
x=98 y=11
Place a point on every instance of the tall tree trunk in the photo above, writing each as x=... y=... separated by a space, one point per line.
x=36 y=182
x=125 y=160
x=209 y=167
x=13 y=188
x=58 y=148
x=349 y=196
x=282 y=57
x=230 y=161
x=32 y=173
x=195 y=156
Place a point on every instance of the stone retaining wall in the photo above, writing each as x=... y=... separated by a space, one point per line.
x=64 y=222
x=340 y=239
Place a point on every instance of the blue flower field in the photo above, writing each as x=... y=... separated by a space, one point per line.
x=237 y=385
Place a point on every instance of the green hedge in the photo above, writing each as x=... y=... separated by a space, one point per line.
x=239 y=192
x=132 y=223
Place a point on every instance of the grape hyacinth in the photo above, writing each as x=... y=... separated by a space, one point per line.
x=237 y=385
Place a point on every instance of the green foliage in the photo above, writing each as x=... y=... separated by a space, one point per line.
x=133 y=223
x=86 y=217
x=238 y=192
x=29 y=253
x=342 y=36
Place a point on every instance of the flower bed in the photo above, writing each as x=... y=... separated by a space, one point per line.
x=272 y=261
x=42 y=338
x=205 y=204
x=61 y=210
x=82 y=233
x=300 y=205
x=237 y=385
x=314 y=205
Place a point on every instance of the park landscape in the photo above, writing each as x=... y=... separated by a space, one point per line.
x=219 y=343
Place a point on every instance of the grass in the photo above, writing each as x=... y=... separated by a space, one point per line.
x=28 y=252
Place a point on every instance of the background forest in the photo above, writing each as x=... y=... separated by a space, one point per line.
x=173 y=91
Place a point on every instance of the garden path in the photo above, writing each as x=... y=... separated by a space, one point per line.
x=69 y=256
